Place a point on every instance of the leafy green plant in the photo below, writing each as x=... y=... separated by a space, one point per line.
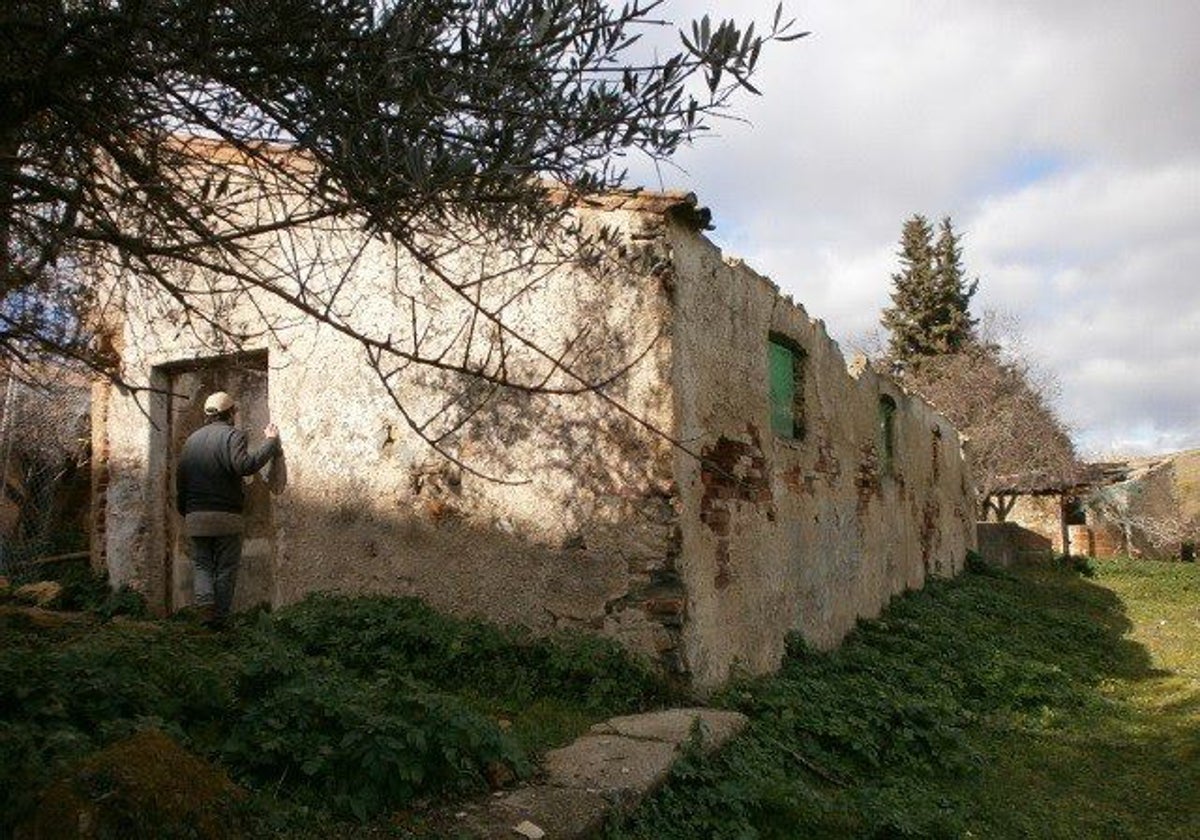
x=332 y=708
x=355 y=745
x=62 y=701
x=367 y=633
x=976 y=564
x=1078 y=563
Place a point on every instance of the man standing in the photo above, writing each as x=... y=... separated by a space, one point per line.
x=209 y=495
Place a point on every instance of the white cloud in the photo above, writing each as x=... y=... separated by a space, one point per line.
x=1093 y=213
x=1061 y=136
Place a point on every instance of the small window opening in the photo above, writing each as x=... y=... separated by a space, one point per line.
x=887 y=432
x=785 y=364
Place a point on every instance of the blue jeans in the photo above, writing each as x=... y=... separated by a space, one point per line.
x=216 y=562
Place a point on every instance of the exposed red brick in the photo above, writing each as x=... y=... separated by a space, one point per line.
x=935 y=452
x=827 y=461
x=734 y=473
x=717 y=518
x=866 y=479
x=665 y=606
x=723 y=577
x=929 y=518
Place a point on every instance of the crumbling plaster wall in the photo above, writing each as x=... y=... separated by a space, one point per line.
x=585 y=534
x=1157 y=510
x=703 y=556
x=1151 y=514
x=1042 y=515
x=803 y=535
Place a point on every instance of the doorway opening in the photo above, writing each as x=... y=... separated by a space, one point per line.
x=178 y=410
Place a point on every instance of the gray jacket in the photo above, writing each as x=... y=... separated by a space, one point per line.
x=211 y=467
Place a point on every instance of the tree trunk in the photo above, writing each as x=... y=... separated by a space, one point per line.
x=8 y=163
x=1062 y=518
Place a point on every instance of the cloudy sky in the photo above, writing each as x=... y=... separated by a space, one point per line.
x=1062 y=136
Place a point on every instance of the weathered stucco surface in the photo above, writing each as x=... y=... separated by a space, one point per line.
x=703 y=563
x=1004 y=544
x=581 y=538
x=1042 y=515
x=809 y=534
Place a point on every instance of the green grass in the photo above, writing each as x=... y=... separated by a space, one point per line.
x=1040 y=704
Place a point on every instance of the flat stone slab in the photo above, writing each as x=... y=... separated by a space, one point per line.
x=620 y=769
x=611 y=768
x=676 y=725
x=557 y=812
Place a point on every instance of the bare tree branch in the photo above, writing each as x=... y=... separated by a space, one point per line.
x=186 y=152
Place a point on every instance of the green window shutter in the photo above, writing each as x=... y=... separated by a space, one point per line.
x=887 y=432
x=783 y=389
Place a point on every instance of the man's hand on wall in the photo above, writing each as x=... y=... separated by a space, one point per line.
x=271 y=431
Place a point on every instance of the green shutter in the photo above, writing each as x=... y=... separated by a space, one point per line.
x=783 y=389
x=887 y=431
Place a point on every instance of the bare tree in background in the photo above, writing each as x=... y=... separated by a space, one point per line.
x=998 y=400
x=43 y=462
x=176 y=145
x=1016 y=442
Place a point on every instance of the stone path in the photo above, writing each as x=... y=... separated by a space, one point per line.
x=609 y=769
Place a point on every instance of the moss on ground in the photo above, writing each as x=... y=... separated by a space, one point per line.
x=145 y=786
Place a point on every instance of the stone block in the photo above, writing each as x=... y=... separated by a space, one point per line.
x=675 y=726
x=622 y=770
x=665 y=606
x=43 y=593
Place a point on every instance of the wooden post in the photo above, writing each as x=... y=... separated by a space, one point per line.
x=1062 y=518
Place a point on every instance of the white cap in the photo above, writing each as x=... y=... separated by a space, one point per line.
x=218 y=403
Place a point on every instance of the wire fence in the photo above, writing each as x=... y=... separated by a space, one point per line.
x=44 y=449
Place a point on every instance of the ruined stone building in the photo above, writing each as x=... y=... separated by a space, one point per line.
x=737 y=482
x=1144 y=507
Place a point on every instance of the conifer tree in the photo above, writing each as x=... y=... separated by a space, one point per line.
x=914 y=296
x=930 y=312
x=953 y=328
